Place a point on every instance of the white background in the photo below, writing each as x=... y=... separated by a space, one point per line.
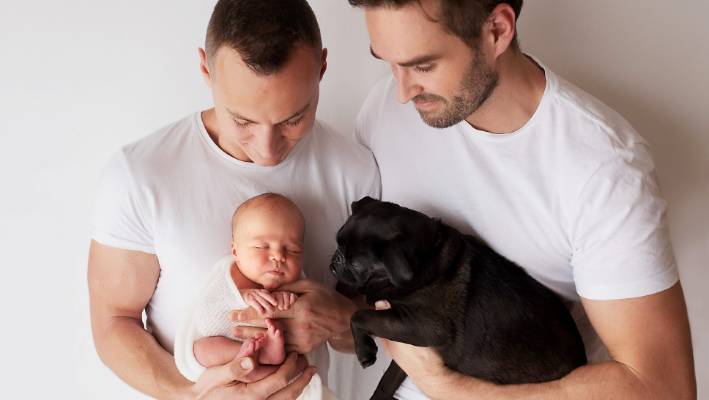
x=79 y=78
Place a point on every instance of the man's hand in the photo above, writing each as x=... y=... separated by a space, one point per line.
x=318 y=314
x=227 y=381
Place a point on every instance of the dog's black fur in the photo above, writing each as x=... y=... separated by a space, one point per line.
x=486 y=317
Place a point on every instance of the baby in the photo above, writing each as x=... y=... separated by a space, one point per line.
x=267 y=242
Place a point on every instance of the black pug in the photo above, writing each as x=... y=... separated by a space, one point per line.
x=485 y=316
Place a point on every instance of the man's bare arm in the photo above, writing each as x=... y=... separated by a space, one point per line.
x=121 y=282
x=648 y=339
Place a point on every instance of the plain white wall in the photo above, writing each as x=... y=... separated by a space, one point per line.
x=80 y=78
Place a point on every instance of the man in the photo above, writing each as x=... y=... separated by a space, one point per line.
x=497 y=145
x=164 y=204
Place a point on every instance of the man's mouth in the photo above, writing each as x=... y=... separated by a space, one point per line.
x=425 y=105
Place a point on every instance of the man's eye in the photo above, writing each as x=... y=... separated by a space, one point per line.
x=241 y=124
x=294 y=122
x=424 y=68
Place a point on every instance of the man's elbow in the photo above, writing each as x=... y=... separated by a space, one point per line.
x=672 y=385
x=684 y=387
x=109 y=333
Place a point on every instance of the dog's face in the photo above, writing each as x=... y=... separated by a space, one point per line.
x=383 y=247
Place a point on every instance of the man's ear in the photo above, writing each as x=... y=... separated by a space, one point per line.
x=324 y=63
x=361 y=202
x=397 y=267
x=204 y=67
x=502 y=28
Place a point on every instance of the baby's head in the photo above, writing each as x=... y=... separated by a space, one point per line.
x=267 y=240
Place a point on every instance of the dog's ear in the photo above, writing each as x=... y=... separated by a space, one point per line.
x=397 y=267
x=361 y=202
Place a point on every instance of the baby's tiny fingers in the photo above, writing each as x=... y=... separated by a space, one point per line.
x=266 y=295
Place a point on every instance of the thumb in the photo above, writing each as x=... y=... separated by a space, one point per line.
x=236 y=370
x=382 y=305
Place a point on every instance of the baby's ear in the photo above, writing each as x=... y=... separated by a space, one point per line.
x=233 y=249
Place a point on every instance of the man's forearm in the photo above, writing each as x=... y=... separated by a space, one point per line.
x=597 y=381
x=137 y=358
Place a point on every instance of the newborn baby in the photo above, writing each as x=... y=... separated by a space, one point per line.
x=267 y=241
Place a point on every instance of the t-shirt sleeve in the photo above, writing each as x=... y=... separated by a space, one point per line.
x=620 y=236
x=122 y=217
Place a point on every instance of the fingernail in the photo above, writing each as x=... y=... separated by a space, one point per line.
x=233 y=316
x=246 y=363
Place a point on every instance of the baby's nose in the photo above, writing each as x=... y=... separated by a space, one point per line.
x=278 y=255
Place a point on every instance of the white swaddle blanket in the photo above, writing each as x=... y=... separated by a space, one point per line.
x=208 y=317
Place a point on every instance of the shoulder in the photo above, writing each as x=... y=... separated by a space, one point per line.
x=594 y=141
x=163 y=144
x=156 y=154
x=596 y=125
x=340 y=148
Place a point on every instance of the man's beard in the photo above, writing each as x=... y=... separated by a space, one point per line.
x=476 y=87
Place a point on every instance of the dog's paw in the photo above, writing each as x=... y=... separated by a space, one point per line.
x=367 y=359
x=366 y=352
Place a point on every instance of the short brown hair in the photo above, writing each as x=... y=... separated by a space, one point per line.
x=263 y=32
x=463 y=18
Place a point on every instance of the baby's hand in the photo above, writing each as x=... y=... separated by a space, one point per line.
x=284 y=299
x=261 y=300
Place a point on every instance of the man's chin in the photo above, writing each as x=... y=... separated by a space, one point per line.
x=267 y=162
x=437 y=121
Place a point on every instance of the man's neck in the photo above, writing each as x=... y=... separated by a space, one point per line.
x=515 y=99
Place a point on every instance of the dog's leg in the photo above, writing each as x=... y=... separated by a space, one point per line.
x=395 y=324
x=364 y=345
x=390 y=382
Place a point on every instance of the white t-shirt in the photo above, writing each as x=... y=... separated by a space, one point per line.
x=173 y=193
x=571 y=196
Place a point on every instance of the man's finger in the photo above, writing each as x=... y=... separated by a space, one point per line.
x=279 y=380
x=252 y=316
x=236 y=370
x=247 y=332
x=300 y=286
x=382 y=305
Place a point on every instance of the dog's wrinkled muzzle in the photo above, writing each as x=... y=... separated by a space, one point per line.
x=338 y=261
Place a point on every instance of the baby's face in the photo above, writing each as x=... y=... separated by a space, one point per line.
x=267 y=246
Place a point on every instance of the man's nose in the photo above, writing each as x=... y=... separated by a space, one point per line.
x=268 y=141
x=407 y=88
